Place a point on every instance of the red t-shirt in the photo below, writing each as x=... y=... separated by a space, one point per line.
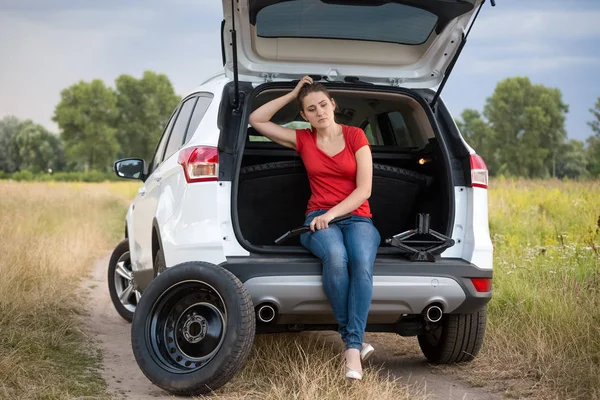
x=331 y=179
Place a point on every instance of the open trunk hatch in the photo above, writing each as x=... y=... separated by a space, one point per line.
x=408 y=43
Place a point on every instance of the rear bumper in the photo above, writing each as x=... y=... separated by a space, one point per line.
x=293 y=286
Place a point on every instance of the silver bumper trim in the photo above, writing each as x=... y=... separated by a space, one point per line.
x=297 y=296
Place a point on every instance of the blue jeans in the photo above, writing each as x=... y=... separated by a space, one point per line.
x=347 y=250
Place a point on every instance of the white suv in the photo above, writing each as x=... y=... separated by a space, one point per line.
x=200 y=261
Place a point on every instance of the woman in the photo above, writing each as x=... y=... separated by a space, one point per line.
x=339 y=166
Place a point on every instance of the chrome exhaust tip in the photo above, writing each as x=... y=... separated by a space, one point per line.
x=433 y=313
x=266 y=313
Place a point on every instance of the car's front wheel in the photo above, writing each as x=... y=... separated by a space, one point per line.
x=121 y=286
x=457 y=338
x=193 y=328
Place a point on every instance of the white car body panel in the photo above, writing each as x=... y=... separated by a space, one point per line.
x=193 y=233
x=144 y=209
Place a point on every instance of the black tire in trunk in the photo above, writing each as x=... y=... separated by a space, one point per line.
x=272 y=199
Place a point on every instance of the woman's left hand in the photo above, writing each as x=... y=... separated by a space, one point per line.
x=321 y=222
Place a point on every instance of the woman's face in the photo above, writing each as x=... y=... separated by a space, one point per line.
x=318 y=110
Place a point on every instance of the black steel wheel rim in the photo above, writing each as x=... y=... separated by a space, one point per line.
x=186 y=326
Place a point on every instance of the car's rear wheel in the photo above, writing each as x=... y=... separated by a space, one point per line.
x=457 y=338
x=193 y=328
x=121 y=287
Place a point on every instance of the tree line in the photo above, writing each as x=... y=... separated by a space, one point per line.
x=521 y=131
x=98 y=124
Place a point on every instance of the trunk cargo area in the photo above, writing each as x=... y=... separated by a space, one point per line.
x=409 y=173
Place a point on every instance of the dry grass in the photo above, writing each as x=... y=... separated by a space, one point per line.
x=50 y=234
x=305 y=367
x=543 y=336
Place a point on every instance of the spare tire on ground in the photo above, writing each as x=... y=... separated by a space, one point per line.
x=193 y=328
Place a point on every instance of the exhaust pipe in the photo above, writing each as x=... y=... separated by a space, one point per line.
x=266 y=313
x=433 y=313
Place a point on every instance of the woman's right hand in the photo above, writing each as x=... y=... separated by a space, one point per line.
x=306 y=80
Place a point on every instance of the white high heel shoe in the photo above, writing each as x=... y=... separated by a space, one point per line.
x=353 y=374
x=366 y=351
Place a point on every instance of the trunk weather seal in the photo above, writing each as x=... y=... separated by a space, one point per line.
x=241 y=142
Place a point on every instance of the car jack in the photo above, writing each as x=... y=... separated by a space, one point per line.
x=422 y=249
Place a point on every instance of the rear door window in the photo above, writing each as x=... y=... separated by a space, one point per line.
x=160 y=149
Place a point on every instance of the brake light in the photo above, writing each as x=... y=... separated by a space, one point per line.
x=482 y=284
x=200 y=163
x=479 y=172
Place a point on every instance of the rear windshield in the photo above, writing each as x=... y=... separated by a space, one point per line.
x=393 y=23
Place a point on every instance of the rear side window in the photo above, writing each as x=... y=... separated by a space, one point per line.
x=181 y=124
x=390 y=22
x=392 y=131
x=202 y=104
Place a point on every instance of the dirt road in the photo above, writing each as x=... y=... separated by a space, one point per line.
x=398 y=355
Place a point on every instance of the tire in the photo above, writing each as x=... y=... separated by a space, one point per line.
x=296 y=166
x=457 y=339
x=119 y=279
x=193 y=328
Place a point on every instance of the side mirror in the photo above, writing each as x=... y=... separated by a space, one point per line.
x=130 y=168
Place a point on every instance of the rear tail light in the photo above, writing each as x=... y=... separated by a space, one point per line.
x=479 y=172
x=482 y=284
x=200 y=163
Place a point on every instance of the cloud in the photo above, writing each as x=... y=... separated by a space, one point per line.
x=532 y=41
x=535 y=24
x=523 y=65
x=45 y=52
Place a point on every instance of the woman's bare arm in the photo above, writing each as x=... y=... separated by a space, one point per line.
x=260 y=119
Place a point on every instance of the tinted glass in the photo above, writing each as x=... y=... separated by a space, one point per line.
x=160 y=149
x=199 y=111
x=400 y=131
x=178 y=132
x=391 y=22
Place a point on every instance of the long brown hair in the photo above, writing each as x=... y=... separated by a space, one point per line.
x=314 y=87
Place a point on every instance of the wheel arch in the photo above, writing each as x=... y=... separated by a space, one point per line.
x=156 y=243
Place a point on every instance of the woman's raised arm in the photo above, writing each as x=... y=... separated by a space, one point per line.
x=260 y=119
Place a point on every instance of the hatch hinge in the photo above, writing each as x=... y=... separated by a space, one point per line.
x=458 y=51
x=269 y=76
x=396 y=82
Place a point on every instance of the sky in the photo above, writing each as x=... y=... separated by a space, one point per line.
x=46 y=46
